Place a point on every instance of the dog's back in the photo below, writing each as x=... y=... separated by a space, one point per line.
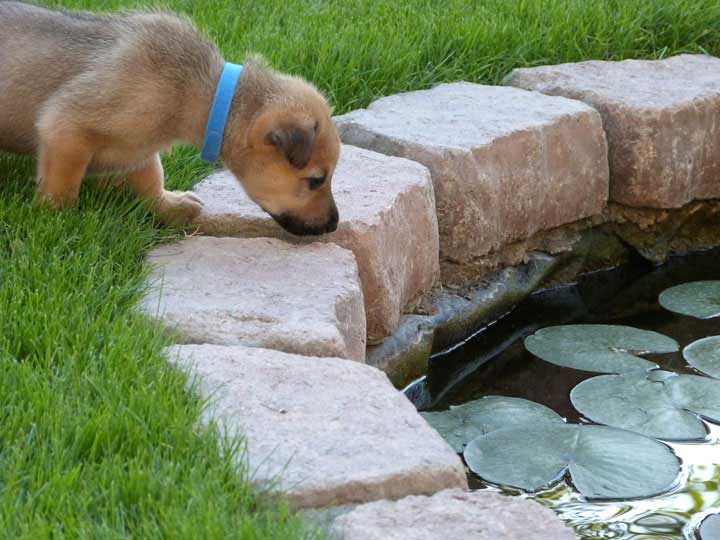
x=40 y=50
x=44 y=53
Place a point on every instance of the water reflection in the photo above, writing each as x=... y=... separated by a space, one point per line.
x=661 y=518
x=496 y=363
x=667 y=517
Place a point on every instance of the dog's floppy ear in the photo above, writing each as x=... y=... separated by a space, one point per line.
x=293 y=142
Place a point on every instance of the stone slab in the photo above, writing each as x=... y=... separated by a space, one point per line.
x=662 y=120
x=387 y=219
x=324 y=431
x=506 y=163
x=452 y=514
x=259 y=292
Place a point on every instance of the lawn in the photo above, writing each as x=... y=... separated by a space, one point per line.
x=97 y=437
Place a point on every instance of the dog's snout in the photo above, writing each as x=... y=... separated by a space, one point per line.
x=333 y=221
x=299 y=227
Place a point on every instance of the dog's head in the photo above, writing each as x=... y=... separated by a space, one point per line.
x=286 y=156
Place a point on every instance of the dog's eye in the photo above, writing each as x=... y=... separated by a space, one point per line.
x=315 y=182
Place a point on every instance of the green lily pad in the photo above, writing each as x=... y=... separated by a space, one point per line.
x=657 y=404
x=710 y=528
x=704 y=355
x=700 y=395
x=460 y=425
x=603 y=462
x=699 y=299
x=600 y=348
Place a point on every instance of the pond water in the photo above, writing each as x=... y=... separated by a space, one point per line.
x=495 y=362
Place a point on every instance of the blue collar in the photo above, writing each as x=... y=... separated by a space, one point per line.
x=219 y=112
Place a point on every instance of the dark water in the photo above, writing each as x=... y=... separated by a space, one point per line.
x=495 y=362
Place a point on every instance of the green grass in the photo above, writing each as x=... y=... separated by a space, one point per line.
x=358 y=50
x=97 y=437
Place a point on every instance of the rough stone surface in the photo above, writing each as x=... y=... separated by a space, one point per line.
x=656 y=234
x=260 y=292
x=453 y=316
x=387 y=212
x=662 y=120
x=404 y=355
x=325 y=431
x=457 y=315
x=558 y=241
x=452 y=514
x=506 y=163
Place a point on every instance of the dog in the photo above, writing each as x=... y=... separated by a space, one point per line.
x=94 y=93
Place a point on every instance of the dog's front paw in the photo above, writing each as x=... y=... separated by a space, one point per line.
x=54 y=201
x=179 y=207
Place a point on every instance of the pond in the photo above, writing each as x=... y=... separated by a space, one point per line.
x=495 y=362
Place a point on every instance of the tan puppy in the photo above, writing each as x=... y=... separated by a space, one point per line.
x=101 y=93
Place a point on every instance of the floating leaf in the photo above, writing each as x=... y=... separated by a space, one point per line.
x=704 y=355
x=658 y=375
x=603 y=462
x=600 y=348
x=699 y=299
x=710 y=528
x=657 y=404
x=698 y=394
x=463 y=423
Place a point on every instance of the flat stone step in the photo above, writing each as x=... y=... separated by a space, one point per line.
x=506 y=163
x=387 y=219
x=662 y=120
x=259 y=292
x=452 y=514
x=324 y=431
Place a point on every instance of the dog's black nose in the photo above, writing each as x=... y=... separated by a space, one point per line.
x=332 y=223
x=299 y=228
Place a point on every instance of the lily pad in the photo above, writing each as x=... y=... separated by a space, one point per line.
x=460 y=425
x=600 y=348
x=698 y=394
x=710 y=528
x=699 y=299
x=657 y=404
x=704 y=355
x=603 y=462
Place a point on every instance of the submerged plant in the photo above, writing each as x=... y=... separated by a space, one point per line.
x=658 y=404
x=704 y=355
x=710 y=528
x=601 y=348
x=602 y=462
x=699 y=299
x=520 y=443
x=461 y=424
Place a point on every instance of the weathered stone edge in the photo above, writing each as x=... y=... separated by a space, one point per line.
x=453 y=317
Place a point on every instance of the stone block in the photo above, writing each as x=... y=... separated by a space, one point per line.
x=387 y=219
x=452 y=514
x=662 y=120
x=259 y=292
x=324 y=431
x=506 y=163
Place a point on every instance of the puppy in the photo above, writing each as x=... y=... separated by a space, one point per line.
x=103 y=93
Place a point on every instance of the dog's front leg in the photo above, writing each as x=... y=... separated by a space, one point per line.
x=62 y=162
x=176 y=207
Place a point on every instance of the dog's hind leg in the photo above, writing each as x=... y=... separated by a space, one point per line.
x=176 y=207
x=62 y=162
